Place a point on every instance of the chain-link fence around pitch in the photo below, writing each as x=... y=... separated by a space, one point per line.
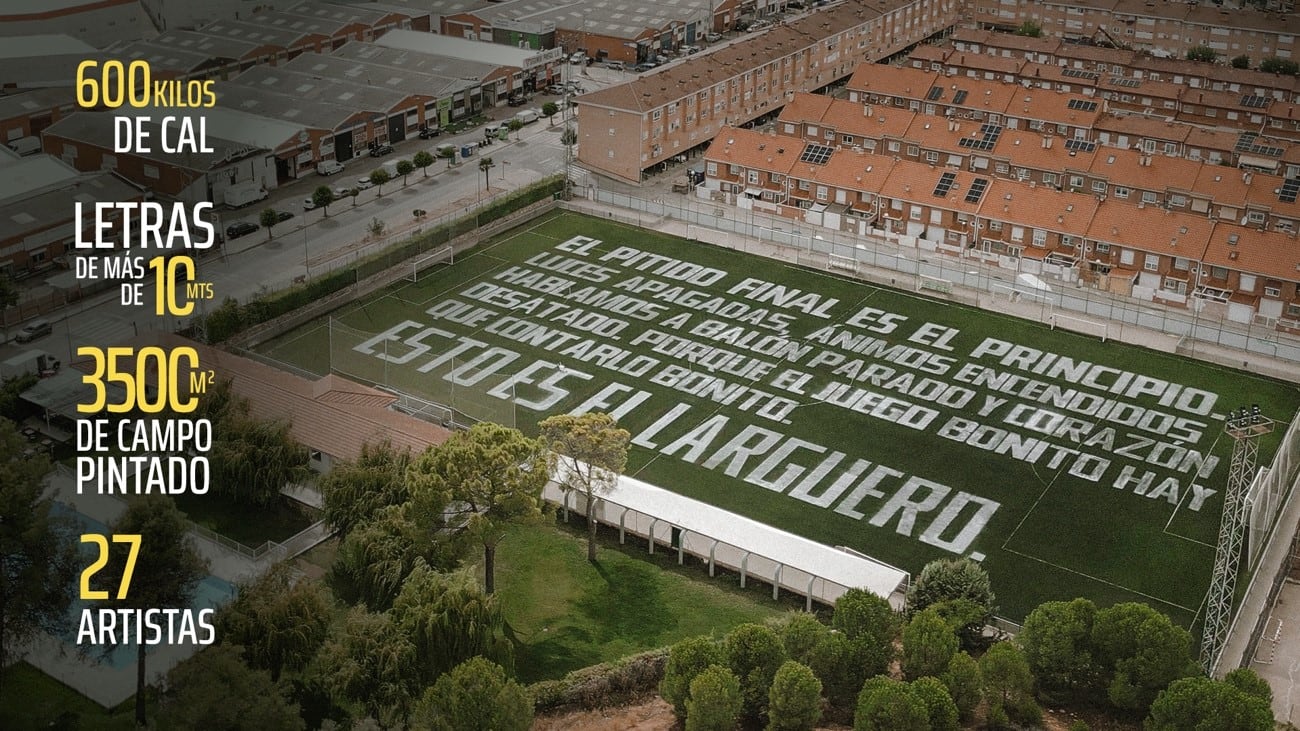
x=450 y=390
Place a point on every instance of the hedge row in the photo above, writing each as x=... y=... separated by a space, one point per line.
x=600 y=686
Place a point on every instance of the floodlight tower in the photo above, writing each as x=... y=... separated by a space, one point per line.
x=1244 y=426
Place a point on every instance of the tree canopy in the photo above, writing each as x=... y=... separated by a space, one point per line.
x=1202 y=704
x=216 y=690
x=686 y=660
x=588 y=454
x=475 y=696
x=280 y=620
x=372 y=662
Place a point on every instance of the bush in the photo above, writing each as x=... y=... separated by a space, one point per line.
x=603 y=685
x=687 y=659
x=800 y=634
x=939 y=705
x=886 y=704
x=832 y=661
x=928 y=645
x=795 y=700
x=754 y=653
x=715 y=700
x=964 y=684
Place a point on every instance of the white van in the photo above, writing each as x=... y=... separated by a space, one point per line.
x=329 y=167
x=528 y=116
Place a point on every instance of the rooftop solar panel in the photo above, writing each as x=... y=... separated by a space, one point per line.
x=1254 y=102
x=1080 y=145
x=934 y=93
x=959 y=97
x=1124 y=81
x=1082 y=105
x=816 y=154
x=1290 y=189
x=977 y=188
x=945 y=184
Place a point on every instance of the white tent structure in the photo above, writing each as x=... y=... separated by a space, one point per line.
x=722 y=538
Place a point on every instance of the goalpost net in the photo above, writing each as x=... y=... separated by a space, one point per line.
x=421 y=266
x=1080 y=325
x=926 y=283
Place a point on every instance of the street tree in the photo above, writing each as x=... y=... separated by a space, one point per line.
x=405 y=168
x=354 y=491
x=686 y=660
x=1205 y=704
x=371 y=662
x=489 y=477
x=1057 y=639
x=715 y=700
x=449 y=620
x=322 y=197
x=423 y=160
x=167 y=569
x=475 y=696
x=754 y=653
x=268 y=218
x=38 y=558
x=8 y=291
x=353 y=192
x=1139 y=652
x=588 y=455
x=448 y=153
x=550 y=109
x=378 y=177
x=794 y=703
x=514 y=125
x=1008 y=684
x=1202 y=53
x=485 y=165
x=215 y=689
x=569 y=137
x=964 y=683
x=939 y=706
x=376 y=227
x=886 y=704
x=929 y=644
x=280 y=620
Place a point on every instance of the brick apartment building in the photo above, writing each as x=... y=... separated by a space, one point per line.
x=626 y=129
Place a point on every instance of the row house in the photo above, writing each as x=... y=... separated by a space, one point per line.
x=1040 y=110
x=677 y=109
x=1121 y=245
x=1161 y=28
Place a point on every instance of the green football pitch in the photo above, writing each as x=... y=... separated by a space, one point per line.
x=905 y=428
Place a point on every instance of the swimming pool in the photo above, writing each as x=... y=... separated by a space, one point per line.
x=212 y=592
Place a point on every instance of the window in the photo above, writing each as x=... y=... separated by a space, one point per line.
x=733 y=169
x=894 y=146
x=1170 y=148
x=1040 y=237
x=1218 y=272
x=1151 y=263
x=805 y=185
x=1121 y=192
x=932 y=157
x=1103 y=248
x=1272 y=289
x=1099 y=186
x=1148 y=197
x=847 y=139
x=1017 y=234
x=913 y=150
x=1172 y=284
x=789 y=128
x=1002 y=168
x=1255 y=217
x=995 y=225
x=821 y=192
x=1246 y=282
x=1049 y=178
x=1177 y=201
x=752 y=177
x=1076 y=181
x=611 y=132
x=1126 y=257
x=914 y=213
x=711 y=169
x=656 y=114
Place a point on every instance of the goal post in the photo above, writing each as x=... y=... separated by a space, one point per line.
x=927 y=283
x=837 y=263
x=421 y=266
x=1081 y=325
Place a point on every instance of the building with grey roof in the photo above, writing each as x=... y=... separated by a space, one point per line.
x=488 y=81
x=537 y=68
x=99 y=23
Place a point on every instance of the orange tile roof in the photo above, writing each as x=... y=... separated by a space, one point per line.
x=1024 y=148
x=1204 y=138
x=1222 y=100
x=757 y=150
x=1150 y=229
x=915 y=182
x=807 y=107
x=892 y=81
x=929 y=52
x=1037 y=206
x=1125 y=167
x=1137 y=125
x=1052 y=106
x=1225 y=185
x=1269 y=253
x=868 y=120
x=857 y=170
x=331 y=414
x=986 y=62
x=1024 y=44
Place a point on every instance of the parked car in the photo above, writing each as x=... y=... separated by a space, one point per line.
x=427 y=132
x=309 y=204
x=643 y=67
x=363 y=183
x=342 y=191
x=381 y=150
x=688 y=50
x=282 y=216
x=577 y=57
x=616 y=65
x=33 y=330
x=240 y=228
x=713 y=37
x=517 y=100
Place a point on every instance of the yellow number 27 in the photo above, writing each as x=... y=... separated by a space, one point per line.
x=99 y=540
